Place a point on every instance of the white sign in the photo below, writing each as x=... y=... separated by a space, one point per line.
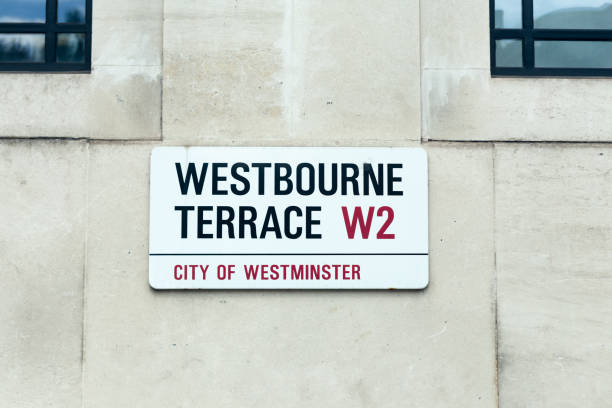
x=288 y=218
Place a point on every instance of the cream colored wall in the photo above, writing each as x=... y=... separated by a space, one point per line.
x=461 y=102
x=283 y=72
x=516 y=314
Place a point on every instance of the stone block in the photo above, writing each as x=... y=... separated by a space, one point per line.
x=127 y=33
x=151 y=348
x=554 y=250
x=455 y=34
x=278 y=73
x=112 y=102
x=465 y=105
x=42 y=259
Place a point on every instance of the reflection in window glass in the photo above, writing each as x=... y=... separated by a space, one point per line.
x=509 y=53
x=23 y=11
x=573 y=54
x=508 y=14
x=70 y=11
x=573 y=14
x=22 y=47
x=70 y=48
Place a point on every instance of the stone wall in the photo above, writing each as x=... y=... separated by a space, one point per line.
x=517 y=312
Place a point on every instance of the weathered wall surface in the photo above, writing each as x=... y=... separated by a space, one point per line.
x=283 y=348
x=287 y=72
x=516 y=312
x=554 y=250
x=43 y=219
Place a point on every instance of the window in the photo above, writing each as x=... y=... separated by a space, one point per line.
x=45 y=35
x=551 y=37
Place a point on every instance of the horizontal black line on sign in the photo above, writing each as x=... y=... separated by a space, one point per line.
x=296 y=254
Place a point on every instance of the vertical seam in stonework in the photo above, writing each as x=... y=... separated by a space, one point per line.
x=421 y=71
x=161 y=63
x=495 y=283
x=84 y=278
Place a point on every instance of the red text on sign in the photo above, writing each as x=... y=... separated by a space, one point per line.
x=189 y=272
x=366 y=224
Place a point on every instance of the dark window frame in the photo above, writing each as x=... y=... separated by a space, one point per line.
x=528 y=34
x=51 y=28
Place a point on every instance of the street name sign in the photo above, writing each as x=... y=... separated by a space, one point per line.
x=288 y=218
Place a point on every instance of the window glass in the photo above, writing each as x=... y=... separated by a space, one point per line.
x=568 y=37
x=509 y=53
x=573 y=14
x=508 y=14
x=71 y=11
x=22 y=47
x=573 y=54
x=23 y=11
x=70 y=47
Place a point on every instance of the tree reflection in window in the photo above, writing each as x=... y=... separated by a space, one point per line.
x=558 y=37
x=22 y=47
x=71 y=11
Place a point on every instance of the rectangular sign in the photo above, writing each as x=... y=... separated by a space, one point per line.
x=288 y=218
